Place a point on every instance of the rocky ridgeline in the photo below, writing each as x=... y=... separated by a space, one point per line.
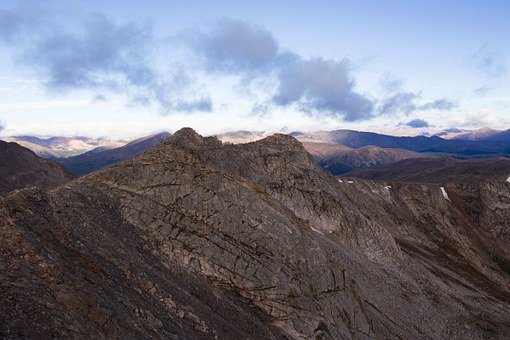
x=199 y=240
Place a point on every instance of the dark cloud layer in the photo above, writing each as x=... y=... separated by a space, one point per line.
x=324 y=86
x=27 y=18
x=234 y=45
x=103 y=55
x=418 y=123
x=315 y=85
x=98 y=54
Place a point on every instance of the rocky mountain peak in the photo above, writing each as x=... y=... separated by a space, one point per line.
x=189 y=138
x=282 y=139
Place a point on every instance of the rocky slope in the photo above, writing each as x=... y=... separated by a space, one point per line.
x=97 y=159
x=20 y=168
x=440 y=170
x=199 y=240
x=338 y=159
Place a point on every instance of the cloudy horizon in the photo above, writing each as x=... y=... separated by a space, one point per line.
x=94 y=69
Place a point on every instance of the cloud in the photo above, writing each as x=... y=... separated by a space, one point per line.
x=417 y=123
x=235 y=45
x=2 y=127
x=202 y=104
x=401 y=102
x=27 y=17
x=489 y=62
x=391 y=84
x=406 y=103
x=103 y=55
x=482 y=91
x=99 y=98
x=318 y=85
x=442 y=104
x=98 y=54
x=322 y=85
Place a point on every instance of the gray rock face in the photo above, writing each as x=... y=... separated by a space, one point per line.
x=199 y=240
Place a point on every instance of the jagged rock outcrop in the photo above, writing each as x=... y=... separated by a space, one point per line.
x=20 y=168
x=199 y=240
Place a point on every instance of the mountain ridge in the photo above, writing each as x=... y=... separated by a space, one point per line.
x=211 y=240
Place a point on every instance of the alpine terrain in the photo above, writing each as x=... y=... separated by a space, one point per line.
x=195 y=239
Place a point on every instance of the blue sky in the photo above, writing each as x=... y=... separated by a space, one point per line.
x=127 y=69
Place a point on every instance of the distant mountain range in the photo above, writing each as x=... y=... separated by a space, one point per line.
x=483 y=134
x=337 y=151
x=339 y=159
x=100 y=158
x=53 y=147
x=357 y=139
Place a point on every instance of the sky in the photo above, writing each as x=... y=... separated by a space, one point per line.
x=126 y=69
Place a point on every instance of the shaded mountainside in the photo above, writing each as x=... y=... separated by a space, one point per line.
x=99 y=158
x=440 y=170
x=199 y=240
x=20 y=168
x=357 y=139
x=338 y=159
x=54 y=147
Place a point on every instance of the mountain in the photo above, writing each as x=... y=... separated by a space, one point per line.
x=451 y=133
x=195 y=239
x=53 y=147
x=338 y=159
x=439 y=170
x=100 y=158
x=501 y=136
x=358 y=139
x=20 y=167
x=241 y=136
x=473 y=135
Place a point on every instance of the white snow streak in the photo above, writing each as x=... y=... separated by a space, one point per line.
x=445 y=194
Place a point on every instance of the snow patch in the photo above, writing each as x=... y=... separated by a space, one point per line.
x=445 y=194
x=388 y=187
x=317 y=231
x=508 y=179
x=340 y=180
x=350 y=182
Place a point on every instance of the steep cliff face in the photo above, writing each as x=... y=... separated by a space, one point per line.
x=199 y=240
x=20 y=168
